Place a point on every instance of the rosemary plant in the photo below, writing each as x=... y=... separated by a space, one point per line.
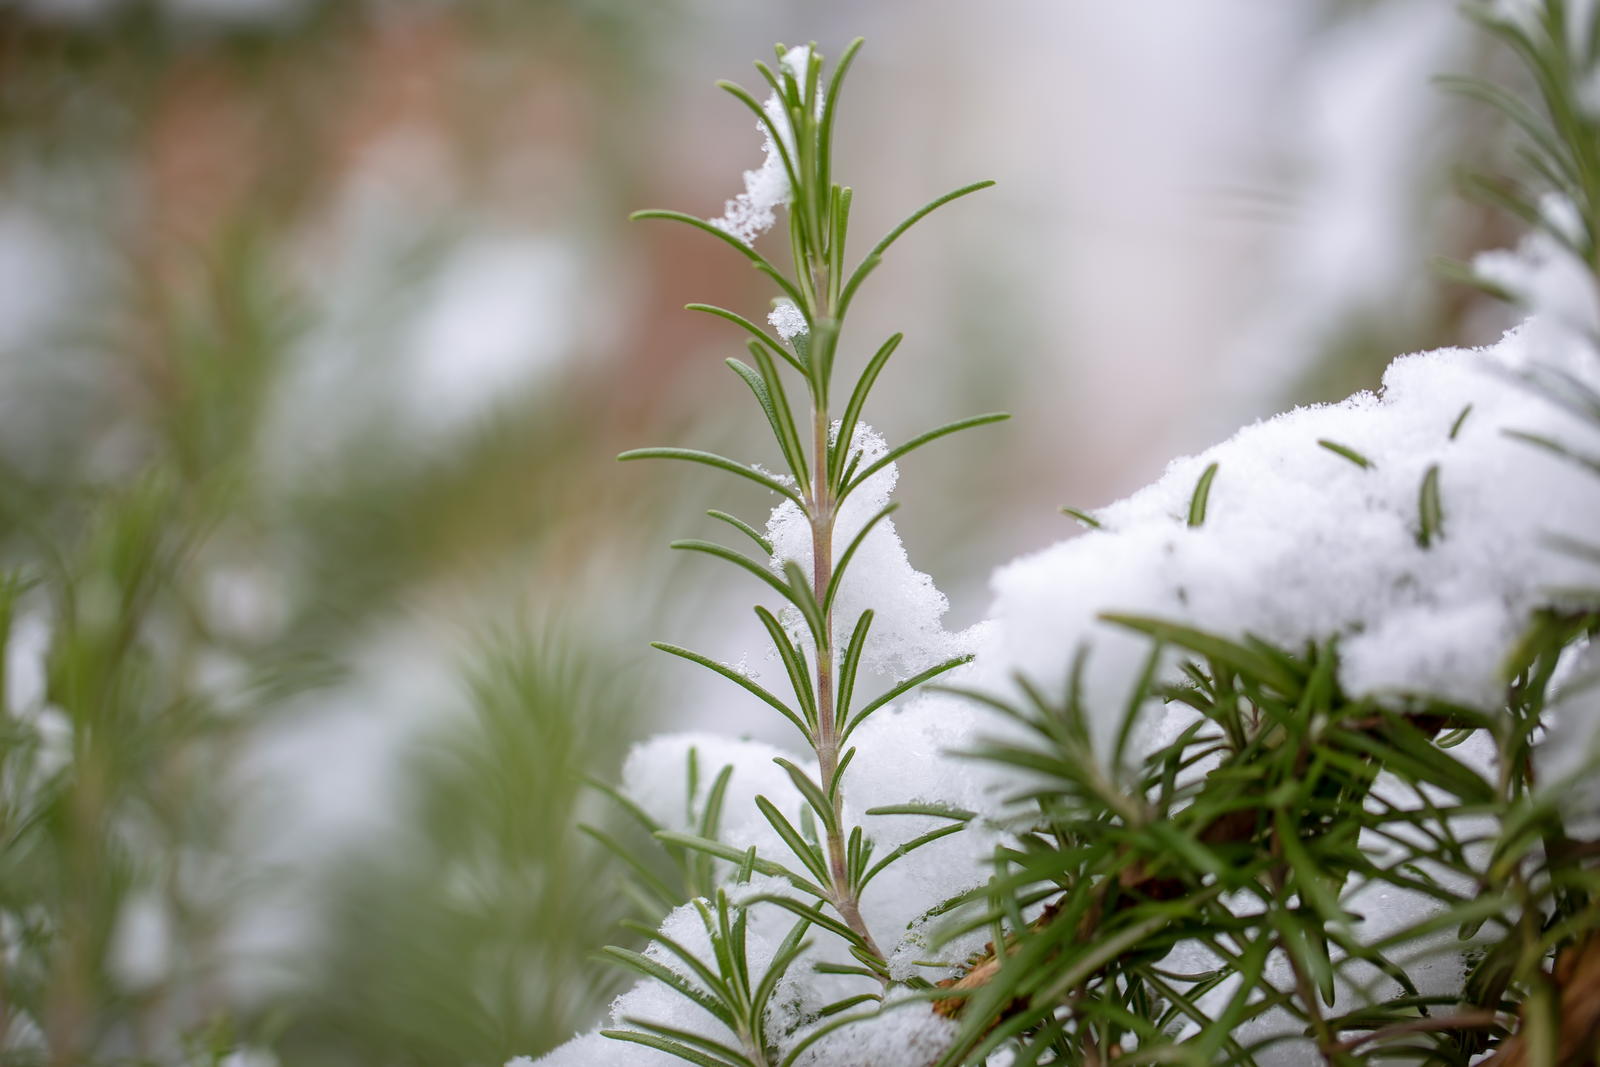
x=1208 y=902
x=820 y=447
x=1299 y=869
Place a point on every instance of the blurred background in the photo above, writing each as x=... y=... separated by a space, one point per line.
x=321 y=324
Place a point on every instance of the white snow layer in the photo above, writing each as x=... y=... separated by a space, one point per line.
x=1299 y=544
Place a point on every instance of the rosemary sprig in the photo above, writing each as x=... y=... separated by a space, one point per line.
x=826 y=466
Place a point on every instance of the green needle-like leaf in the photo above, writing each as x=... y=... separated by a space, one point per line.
x=1202 y=495
x=799 y=600
x=711 y=459
x=876 y=255
x=744 y=528
x=767 y=341
x=750 y=686
x=852 y=411
x=916 y=443
x=661 y=1044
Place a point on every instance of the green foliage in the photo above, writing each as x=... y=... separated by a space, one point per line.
x=1560 y=136
x=1152 y=910
x=122 y=799
x=835 y=860
x=471 y=944
x=1246 y=838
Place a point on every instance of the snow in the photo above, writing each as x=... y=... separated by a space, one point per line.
x=788 y=320
x=907 y=634
x=1298 y=544
x=596 y=1050
x=1319 y=527
x=655 y=776
x=1550 y=281
x=1301 y=545
x=753 y=212
x=903 y=1033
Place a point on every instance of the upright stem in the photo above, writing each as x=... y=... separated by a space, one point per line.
x=823 y=513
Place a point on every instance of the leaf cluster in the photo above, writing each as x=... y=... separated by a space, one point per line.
x=1255 y=841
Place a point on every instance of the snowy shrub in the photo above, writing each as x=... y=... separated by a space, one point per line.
x=1288 y=759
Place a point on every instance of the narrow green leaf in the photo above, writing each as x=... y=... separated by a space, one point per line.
x=780 y=137
x=1348 y=453
x=711 y=548
x=849 y=664
x=767 y=340
x=760 y=262
x=1550 y=444
x=1310 y=879
x=810 y=790
x=648 y=967
x=815 y=916
x=781 y=429
x=876 y=255
x=801 y=848
x=750 y=686
x=1304 y=947
x=788 y=951
x=711 y=817
x=805 y=601
x=1430 y=512
x=1246 y=661
x=664 y=898
x=838 y=773
x=711 y=459
x=744 y=528
x=849 y=553
x=716 y=983
x=783 y=420
x=794 y=662
x=852 y=411
x=1202 y=494
x=736 y=856
x=940 y=810
x=661 y=1044
x=915 y=443
x=901 y=688
x=1541 y=1026
x=690 y=1039
x=830 y=107
x=633 y=810
x=909 y=847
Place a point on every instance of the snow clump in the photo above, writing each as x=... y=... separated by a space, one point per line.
x=753 y=212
